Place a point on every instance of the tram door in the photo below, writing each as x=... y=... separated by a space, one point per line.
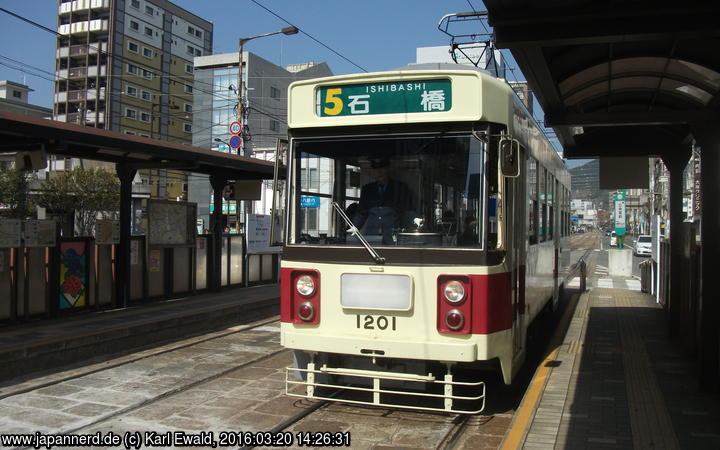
x=515 y=192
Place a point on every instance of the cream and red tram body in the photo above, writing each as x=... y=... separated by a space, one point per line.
x=390 y=297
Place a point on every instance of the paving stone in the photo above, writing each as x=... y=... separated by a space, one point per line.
x=90 y=409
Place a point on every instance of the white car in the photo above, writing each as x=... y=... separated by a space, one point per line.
x=613 y=239
x=643 y=245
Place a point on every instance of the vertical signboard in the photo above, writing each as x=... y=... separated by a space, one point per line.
x=619 y=213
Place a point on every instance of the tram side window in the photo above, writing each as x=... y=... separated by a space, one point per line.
x=532 y=200
x=542 y=188
x=551 y=206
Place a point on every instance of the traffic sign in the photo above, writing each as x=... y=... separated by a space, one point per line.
x=235 y=127
x=235 y=141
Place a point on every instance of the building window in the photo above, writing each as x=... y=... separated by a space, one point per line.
x=17 y=94
x=148 y=31
x=191 y=30
x=198 y=34
x=188 y=89
x=198 y=52
x=130 y=132
x=147 y=74
x=149 y=10
x=187 y=127
x=135 y=4
x=188 y=68
x=134 y=25
x=274 y=125
x=190 y=50
x=274 y=92
x=147 y=136
x=144 y=117
x=146 y=95
x=133 y=47
x=133 y=69
x=188 y=108
x=131 y=91
x=147 y=53
x=130 y=113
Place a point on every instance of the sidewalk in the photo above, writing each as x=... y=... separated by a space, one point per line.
x=49 y=343
x=617 y=381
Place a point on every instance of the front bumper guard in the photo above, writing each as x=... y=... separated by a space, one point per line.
x=378 y=393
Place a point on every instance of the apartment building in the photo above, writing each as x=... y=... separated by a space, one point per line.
x=127 y=66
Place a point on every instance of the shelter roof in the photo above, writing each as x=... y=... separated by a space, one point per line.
x=22 y=133
x=616 y=78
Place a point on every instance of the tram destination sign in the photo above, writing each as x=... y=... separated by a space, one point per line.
x=390 y=97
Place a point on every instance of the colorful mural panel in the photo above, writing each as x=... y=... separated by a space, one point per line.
x=73 y=275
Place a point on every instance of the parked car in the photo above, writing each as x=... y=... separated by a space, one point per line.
x=613 y=239
x=643 y=245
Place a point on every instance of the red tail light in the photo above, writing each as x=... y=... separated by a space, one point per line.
x=454 y=319
x=300 y=296
x=453 y=304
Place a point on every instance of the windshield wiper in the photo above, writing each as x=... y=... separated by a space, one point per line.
x=353 y=229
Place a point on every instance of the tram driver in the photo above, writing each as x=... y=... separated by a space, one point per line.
x=385 y=204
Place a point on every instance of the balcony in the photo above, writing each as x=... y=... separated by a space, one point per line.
x=84 y=26
x=75 y=117
x=79 y=95
x=81 y=50
x=81 y=72
x=82 y=5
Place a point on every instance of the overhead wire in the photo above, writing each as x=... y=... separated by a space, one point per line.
x=309 y=35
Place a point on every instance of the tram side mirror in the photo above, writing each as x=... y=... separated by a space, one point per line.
x=510 y=158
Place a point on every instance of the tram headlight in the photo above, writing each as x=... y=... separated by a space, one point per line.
x=454 y=319
x=305 y=285
x=454 y=292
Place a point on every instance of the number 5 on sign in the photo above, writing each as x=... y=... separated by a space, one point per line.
x=331 y=96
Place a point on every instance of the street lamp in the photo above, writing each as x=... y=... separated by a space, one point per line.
x=240 y=92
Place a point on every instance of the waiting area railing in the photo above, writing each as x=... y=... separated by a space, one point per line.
x=78 y=274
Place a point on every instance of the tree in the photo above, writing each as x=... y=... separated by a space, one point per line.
x=88 y=193
x=14 y=190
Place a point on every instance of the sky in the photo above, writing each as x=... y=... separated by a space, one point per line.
x=371 y=35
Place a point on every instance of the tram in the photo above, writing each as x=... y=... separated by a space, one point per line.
x=426 y=226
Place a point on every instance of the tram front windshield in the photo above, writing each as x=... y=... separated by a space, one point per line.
x=424 y=191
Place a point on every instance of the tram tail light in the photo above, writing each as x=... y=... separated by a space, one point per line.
x=453 y=304
x=300 y=296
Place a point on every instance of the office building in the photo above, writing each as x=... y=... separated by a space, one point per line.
x=216 y=88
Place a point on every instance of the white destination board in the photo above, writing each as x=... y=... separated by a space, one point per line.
x=40 y=233
x=107 y=232
x=10 y=233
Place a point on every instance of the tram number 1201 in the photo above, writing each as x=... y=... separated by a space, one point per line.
x=375 y=322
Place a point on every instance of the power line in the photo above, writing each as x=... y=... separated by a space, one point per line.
x=309 y=35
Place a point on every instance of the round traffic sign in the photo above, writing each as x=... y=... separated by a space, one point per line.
x=235 y=127
x=235 y=141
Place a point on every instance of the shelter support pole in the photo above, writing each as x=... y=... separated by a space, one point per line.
x=122 y=286
x=708 y=138
x=676 y=162
x=218 y=184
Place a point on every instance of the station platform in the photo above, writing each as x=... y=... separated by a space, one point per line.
x=614 y=379
x=43 y=345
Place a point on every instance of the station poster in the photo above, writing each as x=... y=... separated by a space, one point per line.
x=73 y=275
x=257 y=228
